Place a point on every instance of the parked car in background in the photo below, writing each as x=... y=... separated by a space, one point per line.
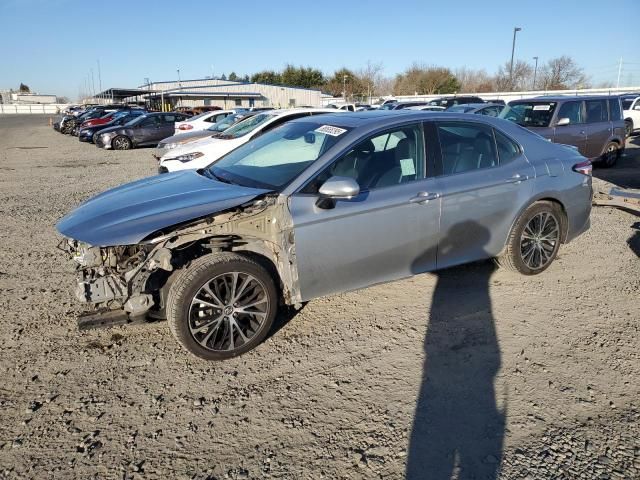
x=450 y=101
x=88 y=134
x=201 y=121
x=202 y=152
x=427 y=108
x=108 y=117
x=592 y=124
x=213 y=131
x=319 y=206
x=146 y=130
x=350 y=107
x=498 y=101
x=489 y=109
x=631 y=113
x=403 y=105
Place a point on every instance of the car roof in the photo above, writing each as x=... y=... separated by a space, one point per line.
x=381 y=118
x=564 y=98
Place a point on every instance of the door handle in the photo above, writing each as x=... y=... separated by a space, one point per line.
x=517 y=178
x=424 y=197
x=582 y=132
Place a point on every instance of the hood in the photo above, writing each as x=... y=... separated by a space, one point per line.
x=125 y=215
x=188 y=137
x=213 y=148
x=111 y=129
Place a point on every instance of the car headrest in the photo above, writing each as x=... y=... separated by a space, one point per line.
x=482 y=143
x=404 y=149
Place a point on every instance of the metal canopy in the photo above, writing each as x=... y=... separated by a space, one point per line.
x=122 y=93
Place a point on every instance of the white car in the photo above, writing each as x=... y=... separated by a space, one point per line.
x=430 y=108
x=201 y=153
x=202 y=121
x=631 y=114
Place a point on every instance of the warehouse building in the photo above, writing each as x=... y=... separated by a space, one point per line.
x=228 y=94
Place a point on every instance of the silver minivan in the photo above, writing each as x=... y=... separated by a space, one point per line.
x=592 y=124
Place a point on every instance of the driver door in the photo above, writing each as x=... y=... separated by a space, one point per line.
x=388 y=231
x=147 y=130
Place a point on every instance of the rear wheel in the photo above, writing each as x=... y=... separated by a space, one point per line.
x=221 y=306
x=534 y=240
x=610 y=155
x=121 y=143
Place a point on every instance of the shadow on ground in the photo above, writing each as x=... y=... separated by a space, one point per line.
x=458 y=428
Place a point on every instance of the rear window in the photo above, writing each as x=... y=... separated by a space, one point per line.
x=614 y=109
x=530 y=114
x=596 y=111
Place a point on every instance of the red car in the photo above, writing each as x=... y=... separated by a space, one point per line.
x=109 y=117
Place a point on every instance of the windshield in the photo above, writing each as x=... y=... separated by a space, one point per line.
x=248 y=125
x=225 y=123
x=277 y=157
x=196 y=117
x=529 y=114
x=388 y=106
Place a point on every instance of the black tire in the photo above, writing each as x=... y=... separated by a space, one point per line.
x=121 y=142
x=628 y=128
x=610 y=155
x=214 y=333
x=515 y=255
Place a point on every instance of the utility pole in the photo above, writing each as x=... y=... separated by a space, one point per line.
x=93 y=84
x=99 y=76
x=513 y=49
x=619 y=73
x=535 y=70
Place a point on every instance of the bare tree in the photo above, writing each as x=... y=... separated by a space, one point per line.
x=520 y=79
x=560 y=73
x=474 y=81
x=425 y=80
x=370 y=77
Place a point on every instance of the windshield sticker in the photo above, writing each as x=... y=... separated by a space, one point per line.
x=542 y=107
x=407 y=167
x=330 y=130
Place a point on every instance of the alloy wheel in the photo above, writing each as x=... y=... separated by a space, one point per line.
x=120 y=143
x=227 y=311
x=539 y=240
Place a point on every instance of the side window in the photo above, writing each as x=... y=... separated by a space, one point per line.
x=507 y=149
x=614 y=109
x=572 y=111
x=465 y=147
x=491 y=111
x=169 y=118
x=149 y=122
x=596 y=111
x=375 y=163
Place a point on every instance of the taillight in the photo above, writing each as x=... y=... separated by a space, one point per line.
x=185 y=126
x=584 y=168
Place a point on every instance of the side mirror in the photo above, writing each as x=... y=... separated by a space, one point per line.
x=562 y=122
x=337 y=188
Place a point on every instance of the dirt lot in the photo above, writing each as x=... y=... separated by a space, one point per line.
x=476 y=372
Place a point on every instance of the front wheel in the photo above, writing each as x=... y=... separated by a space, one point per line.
x=221 y=306
x=121 y=143
x=534 y=240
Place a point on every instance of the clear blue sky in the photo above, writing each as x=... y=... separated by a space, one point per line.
x=51 y=45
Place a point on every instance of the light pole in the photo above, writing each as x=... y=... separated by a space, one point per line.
x=179 y=87
x=344 y=88
x=513 y=49
x=535 y=70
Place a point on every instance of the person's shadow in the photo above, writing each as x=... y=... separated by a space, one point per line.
x=634 y=240
x=458 y=429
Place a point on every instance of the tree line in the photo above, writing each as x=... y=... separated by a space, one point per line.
x=420 y=79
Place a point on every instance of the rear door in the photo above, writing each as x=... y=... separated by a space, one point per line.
x=597 y=127
x=575 y=132
x=484 y=180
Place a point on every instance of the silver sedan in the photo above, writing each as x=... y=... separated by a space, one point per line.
x=318 y=206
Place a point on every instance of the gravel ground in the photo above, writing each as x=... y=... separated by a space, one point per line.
x=471 y=372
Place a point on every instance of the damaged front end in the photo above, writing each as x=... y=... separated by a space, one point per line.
x=115 y=279
x=130 y=283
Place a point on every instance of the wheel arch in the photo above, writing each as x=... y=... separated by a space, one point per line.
x=544 y=197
